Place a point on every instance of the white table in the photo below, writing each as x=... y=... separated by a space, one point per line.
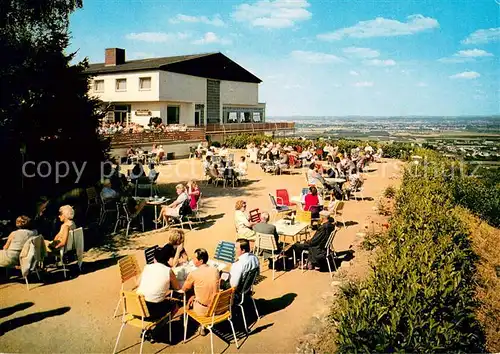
x=286 y=230
x=155 y=202
x=181 y=272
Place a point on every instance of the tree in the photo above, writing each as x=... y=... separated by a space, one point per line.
x=46 y=115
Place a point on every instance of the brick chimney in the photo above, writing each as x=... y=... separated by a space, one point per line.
x=114 y=56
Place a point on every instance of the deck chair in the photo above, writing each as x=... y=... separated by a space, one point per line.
x=278 y=209
x=219 y=311
x=136 y=314
x=149 y=254
x=244 y=290
x=75 y=242
x=329 y=252
x=283 y=198
x=267 y=242
x=225 y=252
x=129 y=269
x=255 y=215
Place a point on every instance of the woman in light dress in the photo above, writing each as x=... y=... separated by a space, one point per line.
x=242 y=222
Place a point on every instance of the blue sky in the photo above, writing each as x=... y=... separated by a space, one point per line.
x=319 y=57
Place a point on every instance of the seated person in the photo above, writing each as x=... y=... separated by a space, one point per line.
x=137 y=172
x=312 y=199
x=130 y=151
x=283 y=162
x=157 y=279
x=176 y=240
x=173 y=209
x=242 y=167
x=246 y=262
x=213 y=172
x=9 y=256
x=108 y=194
x=314 y=177
x=317 y=244
x=66 y=215
x=205 y=283
x=263 y=227
x=242 y=221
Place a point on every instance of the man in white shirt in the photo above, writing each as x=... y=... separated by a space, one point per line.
x=246 y=262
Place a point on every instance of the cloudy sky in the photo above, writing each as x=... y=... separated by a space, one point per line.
x=319 y=57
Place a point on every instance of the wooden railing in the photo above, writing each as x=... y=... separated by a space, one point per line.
x=191 y=134
x=248 y=127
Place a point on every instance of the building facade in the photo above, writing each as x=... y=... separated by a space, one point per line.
x=195 y=90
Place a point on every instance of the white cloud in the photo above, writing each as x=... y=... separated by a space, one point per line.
x=422 y=84
x=157 y=37
x=382 y=27
x=473 y=53
x=361 y=52
x=273 y=13
x=464 y=56
x=363 y=84
x=378 y=62
x=315 y=57
x=211 y=38
x=214 y=21
x=292 y=86
x=483 y=36
x=466 y=75
x=353 y=73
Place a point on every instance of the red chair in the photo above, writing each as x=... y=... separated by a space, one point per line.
x=283 y=198
x=254 y=215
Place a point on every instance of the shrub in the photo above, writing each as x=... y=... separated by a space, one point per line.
x=390 y=192
x=420 y=297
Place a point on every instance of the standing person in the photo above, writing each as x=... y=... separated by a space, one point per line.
x=9 y=255
x=246 y=262
x=205 y=283
x=157 y=279
x=242 y=222
x=194 y=194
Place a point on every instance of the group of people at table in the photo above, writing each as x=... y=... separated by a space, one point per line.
x=201 y=284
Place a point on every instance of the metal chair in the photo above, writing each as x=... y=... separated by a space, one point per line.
x=92 y=199
x=219 y=311
x=143 y=187
x=266 y=242
x=136 y=314
x=106 y=208
x=75 y=242
x=244 y=290
x=255 y=215
x=225 y=252
x=127 y=217
x=129 y=269
x=149 y=254
x=283 y=198
x=278 y=209
x=339 y=211
x=329 y=251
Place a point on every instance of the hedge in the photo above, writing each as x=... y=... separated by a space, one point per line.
x=421 y=294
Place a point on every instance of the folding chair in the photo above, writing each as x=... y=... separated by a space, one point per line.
x=219 y=311
x=149 y=254
x=267 y=242
x=254 y=215
x=329 y=251
x=136 y=315
x=283 y=198
x=128 y=269
x=143 y=188
x=225 y=252
x=245 y=290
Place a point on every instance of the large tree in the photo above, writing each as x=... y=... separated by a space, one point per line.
x=45 y=111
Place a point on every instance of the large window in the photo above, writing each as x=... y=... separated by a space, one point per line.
x=173 y=114
x=121 y=84
x=98 y=85
x=232 y=117
x=144 y=83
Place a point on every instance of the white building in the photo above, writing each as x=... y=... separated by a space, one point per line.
x=179 y=90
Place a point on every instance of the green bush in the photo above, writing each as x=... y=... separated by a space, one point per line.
x=420 y=297
x=390 y=192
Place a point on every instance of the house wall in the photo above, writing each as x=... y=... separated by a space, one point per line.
x=132 y=93
x=240 y=93
x=182 y=88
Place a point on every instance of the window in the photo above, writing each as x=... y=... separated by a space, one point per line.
x=144 y=83
x=232 y=118
x=256 y=116
x=121 y=84
x=98 y=85
x=173 y=114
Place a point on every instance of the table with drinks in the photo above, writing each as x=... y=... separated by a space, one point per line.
x=154 y=201
x=288 y=229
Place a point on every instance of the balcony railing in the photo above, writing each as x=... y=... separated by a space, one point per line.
x=190 y=134
x=248 y=127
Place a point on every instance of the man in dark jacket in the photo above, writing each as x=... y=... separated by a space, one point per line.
x=316 y=246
